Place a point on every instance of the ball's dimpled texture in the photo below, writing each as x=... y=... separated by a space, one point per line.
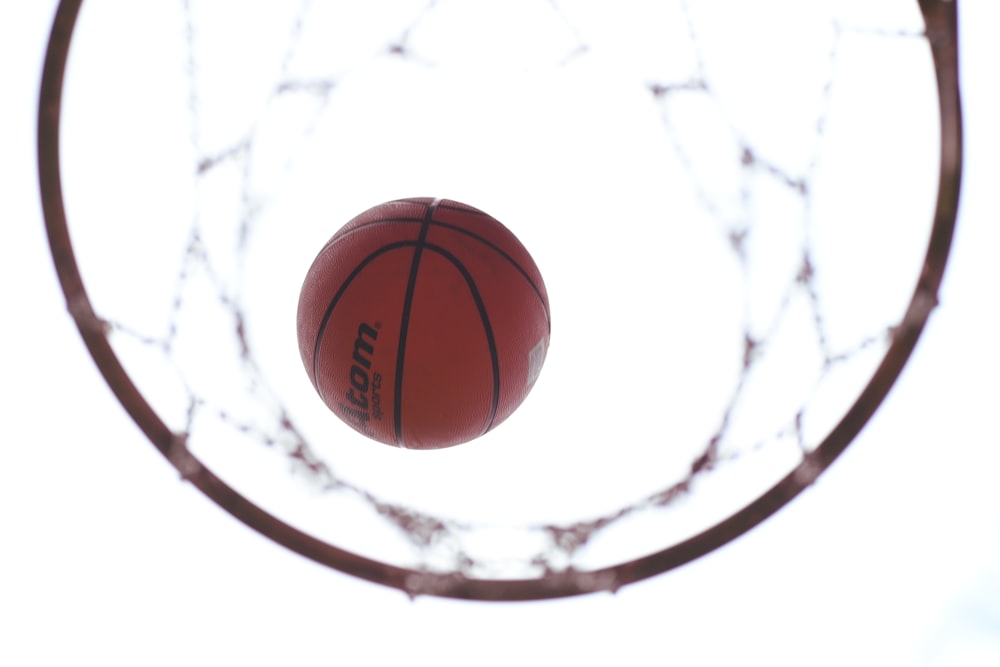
x=423 y=323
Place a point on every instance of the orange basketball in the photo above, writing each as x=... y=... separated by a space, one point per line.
x=423 y=323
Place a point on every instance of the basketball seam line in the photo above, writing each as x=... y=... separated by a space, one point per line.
x=336 y=299
x=404 y=325
x=454 y=228
x=487 y=329
x=445 y=204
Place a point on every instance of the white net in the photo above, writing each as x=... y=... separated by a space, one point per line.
x=711 y=191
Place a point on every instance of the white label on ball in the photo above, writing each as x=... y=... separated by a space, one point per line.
x=535 y=360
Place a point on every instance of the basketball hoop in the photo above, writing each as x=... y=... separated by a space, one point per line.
x=739 y=272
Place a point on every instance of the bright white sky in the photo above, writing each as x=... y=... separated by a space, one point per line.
x=890 y=559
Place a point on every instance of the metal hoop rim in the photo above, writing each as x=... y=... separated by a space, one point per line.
x=941 y=25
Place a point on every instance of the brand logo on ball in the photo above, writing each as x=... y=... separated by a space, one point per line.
x=363 y=398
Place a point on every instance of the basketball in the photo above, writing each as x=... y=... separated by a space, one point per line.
x=423 y=323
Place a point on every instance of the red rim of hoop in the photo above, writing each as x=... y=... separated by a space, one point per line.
x=941 y=26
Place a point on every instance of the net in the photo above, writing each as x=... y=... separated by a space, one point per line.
x=713 y=196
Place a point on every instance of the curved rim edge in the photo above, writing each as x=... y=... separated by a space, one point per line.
x=941 y=24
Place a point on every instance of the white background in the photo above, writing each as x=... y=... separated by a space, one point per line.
x=893 y=557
